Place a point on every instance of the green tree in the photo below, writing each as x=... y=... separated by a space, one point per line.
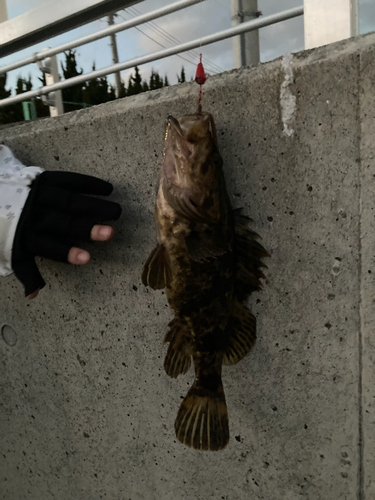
x=130 y=86
x=182 y=77
x=75 y=93
x=16 y=110
x=156 y=82
x=135 y=85
x=152 y=80
x=111 y=93
x=23 y=85
x=97 y=91
x=5 y=113
x=137 y=82
x=122 y=91
x=42 y=79
x=166 y=81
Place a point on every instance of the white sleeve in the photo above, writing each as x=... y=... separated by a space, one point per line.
x=15 y=179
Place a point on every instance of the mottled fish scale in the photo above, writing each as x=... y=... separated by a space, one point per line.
x=209 y=262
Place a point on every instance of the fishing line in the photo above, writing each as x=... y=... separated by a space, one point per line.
x=200 y=76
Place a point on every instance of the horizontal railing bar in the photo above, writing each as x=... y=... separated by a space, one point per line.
x=51 y=19
x=206 y=40
x=144 y=18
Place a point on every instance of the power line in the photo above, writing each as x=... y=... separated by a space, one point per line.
x=161 y=45
x=181 y=57
x=172 y=39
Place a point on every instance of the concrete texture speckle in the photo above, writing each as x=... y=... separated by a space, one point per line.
x=87 y=411
x=367 y=228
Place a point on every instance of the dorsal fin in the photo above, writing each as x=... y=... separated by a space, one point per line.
x=249 y=254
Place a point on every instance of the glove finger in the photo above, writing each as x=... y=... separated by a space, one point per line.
x=50 y=248
x=28 y=274
x=78 y=183
x=77 y=204
x=63 y=225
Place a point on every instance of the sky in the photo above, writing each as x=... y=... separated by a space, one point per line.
x=191 y=23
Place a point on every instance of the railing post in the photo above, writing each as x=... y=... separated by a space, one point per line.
x=3 y=11
x=114 y=56
x=245 y=46
x=328 y=21
x=54 y=99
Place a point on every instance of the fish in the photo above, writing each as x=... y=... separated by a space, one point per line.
x=209 y=261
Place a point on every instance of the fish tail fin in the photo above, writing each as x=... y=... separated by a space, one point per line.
x=202 y=421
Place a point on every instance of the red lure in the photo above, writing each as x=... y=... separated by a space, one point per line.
x=200 y=77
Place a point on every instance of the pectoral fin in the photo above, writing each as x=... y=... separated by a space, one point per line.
x=183 y=204
x=242 y=334
x=178 y=358
x=202 y=246
x=156 y=271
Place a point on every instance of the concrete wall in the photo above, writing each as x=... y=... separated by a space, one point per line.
x=87 y=410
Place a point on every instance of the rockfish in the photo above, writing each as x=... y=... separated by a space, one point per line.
x=209 y=262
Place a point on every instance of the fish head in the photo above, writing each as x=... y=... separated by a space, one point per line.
x=191 y=181
x=190 y=155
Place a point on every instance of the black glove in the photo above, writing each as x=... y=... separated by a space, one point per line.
x=54 y=218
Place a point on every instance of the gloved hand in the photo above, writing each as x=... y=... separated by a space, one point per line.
x=54 y=218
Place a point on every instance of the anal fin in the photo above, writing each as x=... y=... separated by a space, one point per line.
x=156 y=270
x=242 y=334
x=178 y=358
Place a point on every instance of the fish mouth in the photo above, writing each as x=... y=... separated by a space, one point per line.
x=182 y=127
x=176 y=148
x=173 y=125
x=182 y=136
x=186 y=122
x=175 y=137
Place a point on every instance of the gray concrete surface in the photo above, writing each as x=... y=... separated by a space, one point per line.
x=87 y=411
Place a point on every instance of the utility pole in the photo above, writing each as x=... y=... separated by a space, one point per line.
x=329 y=21
x=3 y=11
x=245 y=46
x=114 y=57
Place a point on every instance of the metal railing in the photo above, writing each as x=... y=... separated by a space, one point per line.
x=51 y=19
x=116 y=28
x=206 y=40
